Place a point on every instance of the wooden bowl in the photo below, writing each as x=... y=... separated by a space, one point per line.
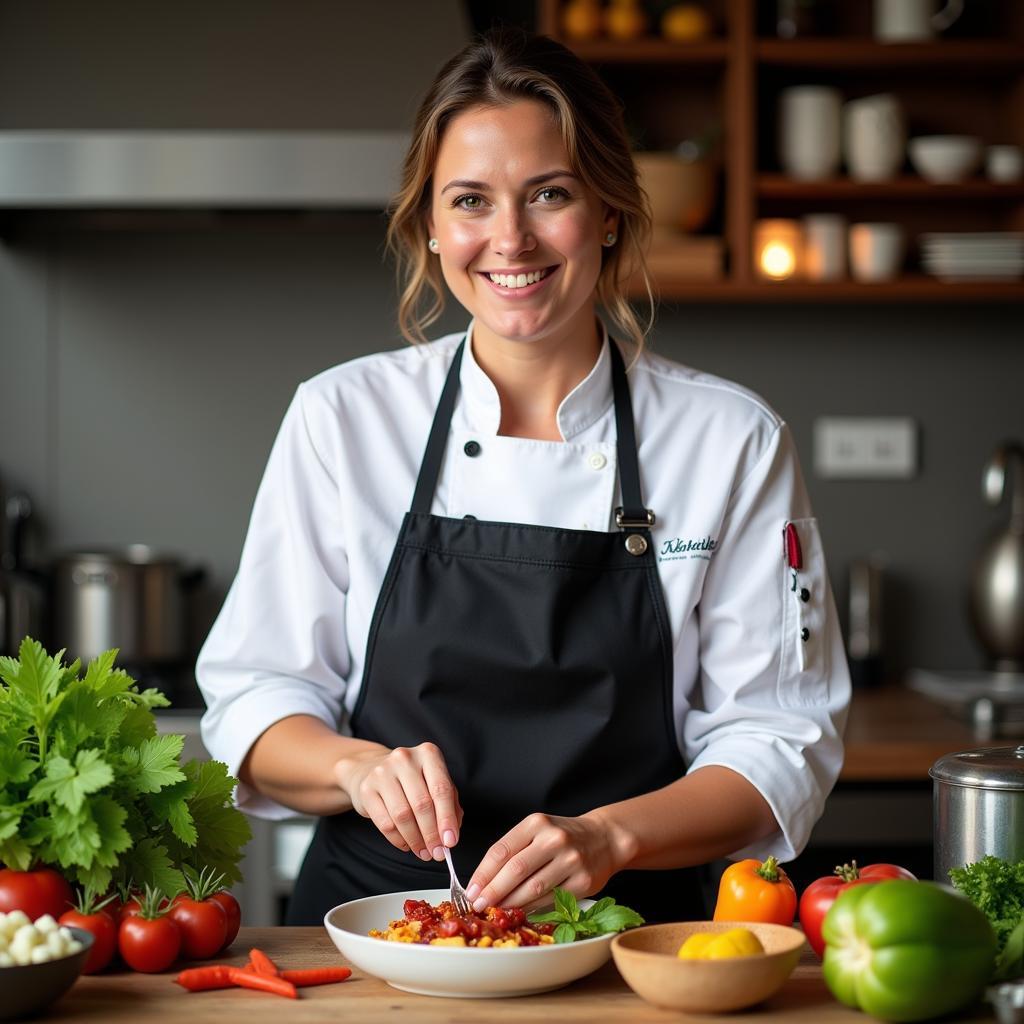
x=646 y=959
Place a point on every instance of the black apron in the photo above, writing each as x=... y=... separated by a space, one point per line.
x=539 y=660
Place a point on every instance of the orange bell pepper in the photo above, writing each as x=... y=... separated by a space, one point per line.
x=754 y=891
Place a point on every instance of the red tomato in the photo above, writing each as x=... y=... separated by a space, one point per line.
x=819 y=896
x=38 y=892
x=233 y=913
x=104 y=933
x=130 y=908
x=148 y=944
x=203 y=926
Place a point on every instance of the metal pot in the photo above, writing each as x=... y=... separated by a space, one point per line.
x=132 y=599
x=978 y=807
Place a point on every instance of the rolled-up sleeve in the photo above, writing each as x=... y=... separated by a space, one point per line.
x=278 y=646
x=775 y=685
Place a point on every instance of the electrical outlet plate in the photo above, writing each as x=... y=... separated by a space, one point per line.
x=865 y=448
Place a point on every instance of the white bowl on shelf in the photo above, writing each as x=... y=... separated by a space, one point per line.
x=945 y=158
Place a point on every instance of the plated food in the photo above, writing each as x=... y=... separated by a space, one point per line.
x=442 y=925
x=460 y=971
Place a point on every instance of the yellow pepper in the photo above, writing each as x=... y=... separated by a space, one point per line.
x=720 y=945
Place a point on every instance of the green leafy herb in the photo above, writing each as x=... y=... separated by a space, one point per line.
x=89 y=788
x=603 y=917
x=996 y=887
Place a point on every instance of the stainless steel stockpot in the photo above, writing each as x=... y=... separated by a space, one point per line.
x=978 y=807
x=131 y=598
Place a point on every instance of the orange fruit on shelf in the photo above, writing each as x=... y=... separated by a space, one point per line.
x=625 y=20
x=581 y=19
x=685 y=23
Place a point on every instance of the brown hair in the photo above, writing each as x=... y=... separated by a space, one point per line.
x=502 y=66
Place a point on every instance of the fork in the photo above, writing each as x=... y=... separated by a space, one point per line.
x=459 y=898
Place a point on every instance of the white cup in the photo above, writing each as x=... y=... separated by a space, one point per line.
x=903 y=21
x=809 y=143
x=824 y=250
x=1004 y=163
x=874 y=137
x=876 y=251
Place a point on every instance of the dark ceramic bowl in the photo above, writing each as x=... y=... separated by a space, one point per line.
x=29 y=989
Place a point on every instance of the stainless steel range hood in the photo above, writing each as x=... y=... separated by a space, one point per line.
x=348 y=170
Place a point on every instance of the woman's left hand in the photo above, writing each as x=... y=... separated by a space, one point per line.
x=544 y=851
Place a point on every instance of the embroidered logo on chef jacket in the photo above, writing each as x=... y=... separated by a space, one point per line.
x=803 y=665
x=675 y=548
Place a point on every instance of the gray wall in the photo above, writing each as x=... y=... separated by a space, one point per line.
x=144 y=373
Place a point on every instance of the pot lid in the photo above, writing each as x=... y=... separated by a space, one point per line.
x=131 y=554
x=985 y=768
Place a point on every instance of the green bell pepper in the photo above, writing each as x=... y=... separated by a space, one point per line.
x=906 y=951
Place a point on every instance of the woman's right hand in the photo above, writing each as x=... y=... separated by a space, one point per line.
x=407 y=793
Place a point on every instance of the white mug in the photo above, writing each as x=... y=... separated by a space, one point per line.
x=876 y=251
x=1004 y=163
x=824 y=250
x=874 y=137
x=902 y=21
x=809 y=143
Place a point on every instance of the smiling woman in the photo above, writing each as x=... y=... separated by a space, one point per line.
x=501 y=595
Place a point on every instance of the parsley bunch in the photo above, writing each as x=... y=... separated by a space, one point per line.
x=996 y=887
x=89 y=788
x=603 y=917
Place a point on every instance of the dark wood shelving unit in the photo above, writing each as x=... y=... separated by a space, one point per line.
x=968 y=85
x=907 y=188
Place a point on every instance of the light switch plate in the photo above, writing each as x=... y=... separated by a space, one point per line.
x=865 y=447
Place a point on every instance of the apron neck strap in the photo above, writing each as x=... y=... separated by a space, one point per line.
x=632 y=514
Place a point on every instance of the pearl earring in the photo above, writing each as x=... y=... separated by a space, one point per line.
x=433 y=245
x=610 y=238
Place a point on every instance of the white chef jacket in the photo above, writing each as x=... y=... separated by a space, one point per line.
x=761 y=684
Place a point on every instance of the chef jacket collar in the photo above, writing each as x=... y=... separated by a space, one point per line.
x=580 y=409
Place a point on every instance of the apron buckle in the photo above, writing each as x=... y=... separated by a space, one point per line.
x=624 y=522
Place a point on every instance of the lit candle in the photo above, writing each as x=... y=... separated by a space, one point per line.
x=777 y=246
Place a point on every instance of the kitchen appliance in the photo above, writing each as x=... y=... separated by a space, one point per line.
x=864 y=641
x=23 y=589
x=978 y=807
x=997 y=580
x=132 y=598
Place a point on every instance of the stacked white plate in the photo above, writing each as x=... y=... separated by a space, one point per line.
x=972 y=256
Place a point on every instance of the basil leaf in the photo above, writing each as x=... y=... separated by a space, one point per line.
x=566 y=903
x=615 y=919
x=601 y=904
x=564 y=933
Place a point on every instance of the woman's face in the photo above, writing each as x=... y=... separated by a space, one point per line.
x=507 y=207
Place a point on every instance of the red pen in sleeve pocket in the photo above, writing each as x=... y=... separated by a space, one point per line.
x=794 y=557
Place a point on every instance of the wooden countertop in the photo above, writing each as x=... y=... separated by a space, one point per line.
x=894 y=733
x=603 y=996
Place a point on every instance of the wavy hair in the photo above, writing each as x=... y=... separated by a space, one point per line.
x=499 y=67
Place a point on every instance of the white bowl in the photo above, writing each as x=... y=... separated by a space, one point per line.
x=454 y=971
x=945 y=158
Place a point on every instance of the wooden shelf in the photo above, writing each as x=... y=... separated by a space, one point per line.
x=904 y=289
x=989 y=56
x=707 y=52
x=780 y=186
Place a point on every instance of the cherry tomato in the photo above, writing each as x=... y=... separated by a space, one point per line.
x=38 y=892
x=819 y=896
x=104 y=932
x=233 y=913
x=149 y=944
x=203 y=926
